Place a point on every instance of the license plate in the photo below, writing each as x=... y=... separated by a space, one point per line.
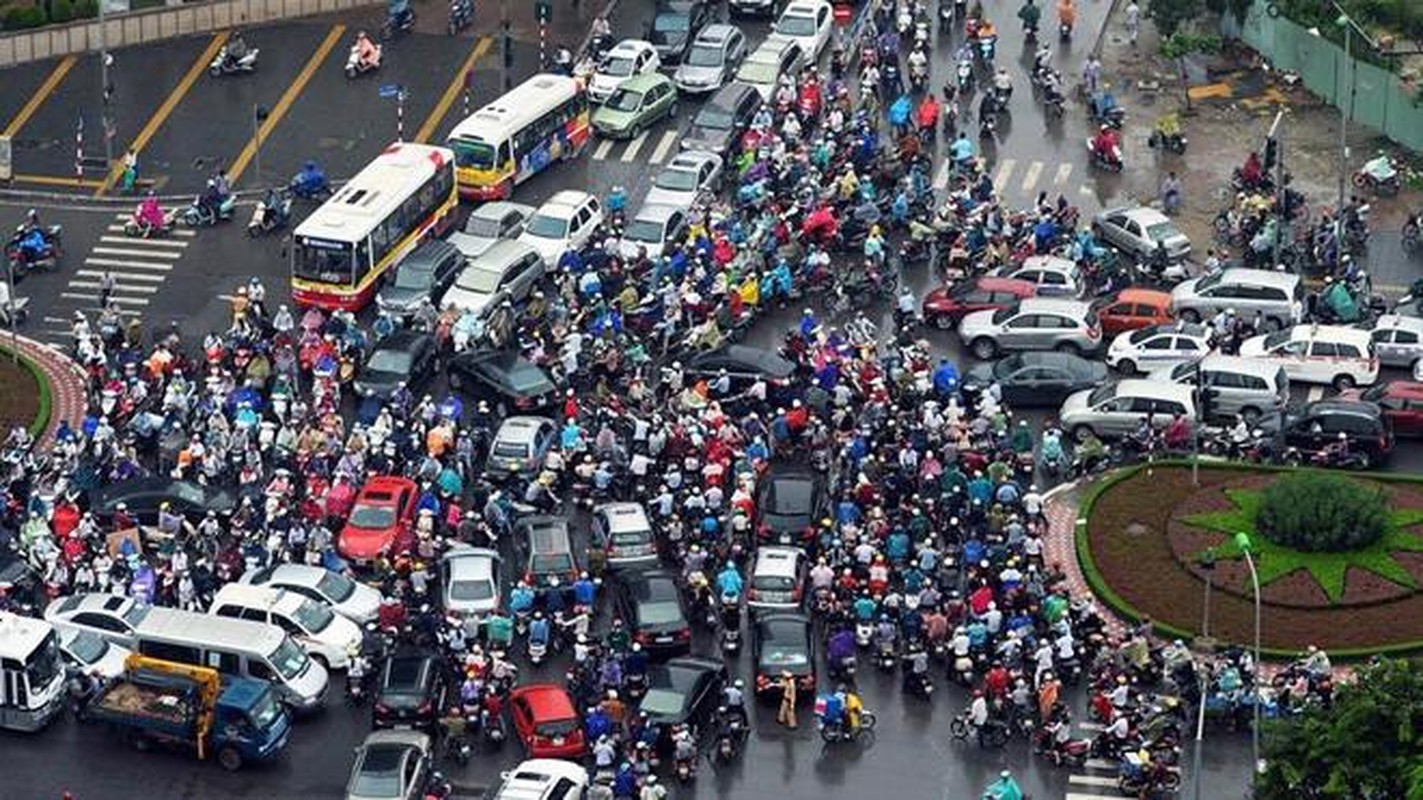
x=664 y=640
x=558 y=741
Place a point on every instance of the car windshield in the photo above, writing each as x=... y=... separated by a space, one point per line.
x=625 y=100
x=1007 y=366
x=704 y=55
x=671 y=23
x=546 y=226
x=676 y=180
x=557 y=727
x=380 y=772
x=796 y=25
x=389 y=360
x=474 y=155
x=758 y=72
x=313 y=616
x=525 y=378
x=187 y=492
x=790 y=497
x=1209 y=281
x=1161 y=231
x=505 y=449
x=289 y=659
x=1002 y=315
x=1140 y=335
x=1277 y=338
x=779 y=657
x=663 y=613
x=474 y=279
x=88 y=647
x=371 y=517
x=413 y=277
x=714 y=118
x=335 y=586
x=1101 y=394
x=644 y=230
x=552 y=562
x=617 y=66
x=483 y=227
x=471 y=590
x=135 y=614
x=774 y=583
x=661 y=702
x=265 y=710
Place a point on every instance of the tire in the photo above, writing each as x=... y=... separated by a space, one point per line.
x=1129 y=786
x=1126 y=366
x=1171 y=782
x=350 y=73
x=1343 y=382
x=1273 y=324
x=672 y=110
x=958 y=728
x=229 y=759
x=826 y=735
x=214 y=71
x=1360 y=181
x=867 y=720
x=1251 y=415
x=984 y=348
x=1191 y=315
x=943 y=322
x=1081 y=432
x=1069 y=348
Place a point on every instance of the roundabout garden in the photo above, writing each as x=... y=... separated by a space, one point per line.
x=24 y=394
x=1339 y=556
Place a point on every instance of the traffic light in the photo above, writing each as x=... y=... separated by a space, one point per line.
x=1272 y=153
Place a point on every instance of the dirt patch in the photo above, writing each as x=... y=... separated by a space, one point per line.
x=20 y=397
x=1148 y=572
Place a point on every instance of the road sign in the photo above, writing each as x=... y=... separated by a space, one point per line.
x=391 y=90
x=843 y=14
x=7 y=169
x=544 y=12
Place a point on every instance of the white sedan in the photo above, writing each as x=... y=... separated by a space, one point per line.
x=684 y=179
x=808 y=22
x=91 y=654
x=1158 y=346
x=630 y=57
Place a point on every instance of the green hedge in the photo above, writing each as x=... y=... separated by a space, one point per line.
x=1098 y=583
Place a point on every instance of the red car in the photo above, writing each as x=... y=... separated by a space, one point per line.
x=544 y=718
x=1131 y=309
x=1401 y=401
x=381 y=519
x=945 y=306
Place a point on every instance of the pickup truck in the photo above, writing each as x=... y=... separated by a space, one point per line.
x=165 y=703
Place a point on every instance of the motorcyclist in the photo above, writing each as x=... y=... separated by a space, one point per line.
x=398 y=12
x=1252 y=173
x=236 y=49
x=728 y=581
x=1003 y=85
x=1030 y=14
x=1067 y=14
x=733 y=698
x=1005 y=788
x=367 y=52
x=310 y=179
x=841 y=648
x=1178 y=433
x=1104 y=145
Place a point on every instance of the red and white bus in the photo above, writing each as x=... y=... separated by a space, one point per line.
x=340 y=252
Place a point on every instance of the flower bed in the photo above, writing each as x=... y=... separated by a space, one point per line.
x=25 y=399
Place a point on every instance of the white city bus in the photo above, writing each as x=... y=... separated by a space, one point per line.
x=31 y=673
x=538 y=123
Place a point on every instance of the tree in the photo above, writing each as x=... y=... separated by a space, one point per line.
x=1368 y=744
x=1169 y=15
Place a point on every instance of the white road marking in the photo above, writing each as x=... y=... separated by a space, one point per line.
x=668 y=139
x=1101 y=763
x=941 y=181
x=1092 y=780
x=134 y=240
x=630 y=154
x=1092 y=796
x=180 y=232
x=1005 y=171
x=110 y=262
x=1316 y=392
x=1030 y=178
x=1085 y=190
x=118 y=287
x=604 y=147
x=124 y=251
x=94 y=298
x=127 y=276
x=1063 y=170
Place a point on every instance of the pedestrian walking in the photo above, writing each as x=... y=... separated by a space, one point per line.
x=1171 y=194
x=1091 y=74
x=786 y=715
x=1133 y=22
x=106 y=288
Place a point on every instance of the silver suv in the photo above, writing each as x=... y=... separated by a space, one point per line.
x=1034 y=323
x=1277 y=296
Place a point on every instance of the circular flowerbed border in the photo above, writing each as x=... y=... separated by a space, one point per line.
x=21 y=404
x=1139 y=558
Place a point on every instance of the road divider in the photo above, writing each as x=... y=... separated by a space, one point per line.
x=199 y=66
x=51 y=82
x=457 y=84
x=264 y=131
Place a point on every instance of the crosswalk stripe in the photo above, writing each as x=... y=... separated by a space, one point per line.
x=1030 y=178
x=941 y=180
x=127 y=276
x=1063 y=171
x=56 y=320
x=179 y=232
x=1101 y=763
x=1085 y=190
x=1092 y=780
x=1089 y=725
x=1316 y=392
x=604 y=147
x=634 y=146
x=124 y=251
x=110 y=262
x=134 y=241
x=663 y=145
x=94 y=298
x=1091 y=796
x=1005 y=171
x=119 y=288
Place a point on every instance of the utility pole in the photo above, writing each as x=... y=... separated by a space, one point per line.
x=1346 y=110
x=106 y=90
x=1242 y=541
x=1274 y=157
x=506 y=45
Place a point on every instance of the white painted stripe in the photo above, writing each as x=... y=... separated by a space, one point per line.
x=121 y=276
x=119 y=288
x=664 y=144
x=182 y=232
x=1090 y=796
x=1316 y=392
x=1030 y=178
x=94 y=298
x=604 y=147
x=1005 y=171
x=635 y=145
x=1085 y=190
x=1101 y=763
x=1063 y=170
x=57 y=320
x=134 y=240
x=109 y=262
x=1091 y=780
x=941 y=180
x=124 y=251
x=1087 y=724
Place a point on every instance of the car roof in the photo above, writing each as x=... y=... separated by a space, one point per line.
x=1413 y=389
x=690 y=159
x=624 y=516
x=656 y=213
x=729 y=96
x=1334 y=333
x=565 y=201
x=777 y=560
x=259 y=596
x=521 y=428
x=546 y=699
x=1246 y=366
x=716 y=33
x=1145 y=214
x=1196 y=331
x=472 y=563
x=630 y=47
x=1398 y=321
x=387 y=483
x=1363 y=408
x=501 y=253
x=93 y=601
x=498 y=208
x=995 y=283
x=1134 y=294
x=1158 y=389
x=401 y=339
x=1056 y=263
x=399 y=736
x=773 y=47
x=1259 y=277
x=645 y=81
x=1053 y=305
x=533 y=777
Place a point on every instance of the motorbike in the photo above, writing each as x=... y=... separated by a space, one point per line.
x=1172 y=142
x=964 y=71
x=355 y=66
x=946 y=16
x=730 y=639
x=919 y=684
x=1379 y=176
x=273 y=211
x=1073 y=752
x=728 y=741
x=461 y=15
x=1140 y=776
x=312 y=186
x=222 y=64
x=136 y=226
x=832 y=734
x=47 y=258
x=686 y=768
x=1411 y=232
x=397 y=21
x=1111 y=163
x=864 y=632
x=199 y=214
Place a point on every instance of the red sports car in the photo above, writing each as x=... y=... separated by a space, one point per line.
x=546 y=721
x=945 y=306
x=381 y=519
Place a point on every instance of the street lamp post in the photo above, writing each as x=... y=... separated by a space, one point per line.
x=1242 y=541
x=1208 y=567
x=1346 y=110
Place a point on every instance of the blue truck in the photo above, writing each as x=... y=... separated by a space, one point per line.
x=164 y=703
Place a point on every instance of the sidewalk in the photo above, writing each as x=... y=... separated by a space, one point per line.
x=66 y=382
x=1060 y=544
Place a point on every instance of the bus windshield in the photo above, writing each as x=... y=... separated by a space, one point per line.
x=44 y=663
x=329 y=262
x=474 y=155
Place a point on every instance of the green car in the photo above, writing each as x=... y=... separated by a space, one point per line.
x=641 y=101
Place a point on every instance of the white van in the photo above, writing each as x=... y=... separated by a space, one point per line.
x=235 y=647
x=1330 y=354
x=1246 y=387
x=327 y=636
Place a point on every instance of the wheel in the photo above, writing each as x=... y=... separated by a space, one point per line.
x=1171 y=781
x=867 y=720
x=826 y=734
x=958 y=728
x=350 y=72
x=672 y=111
x=1273 y=324
x=995 y=736
x=1360 y=180
x=214 y=71
x=1129 y=786
x=1082 y=432
x=229 y=759
x=1342 y=382
x=1191 y=315
x=1069 y=348
x=1126 y=366
x=984 y=348
x=943 y=322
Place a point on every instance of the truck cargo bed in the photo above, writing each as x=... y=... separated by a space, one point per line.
x=145 y=702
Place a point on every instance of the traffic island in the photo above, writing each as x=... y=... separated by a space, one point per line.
x=1339 y=556
x=26 y=398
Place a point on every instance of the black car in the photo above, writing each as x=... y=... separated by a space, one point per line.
x=650 y=604
x=425 y=273
x=789 y=503
x=783 y=643
x=143 y=496
x=405 y=356
x=744 y=366
x=718 y=126
x=411 y=691
x=503 y=378
x=674 y=26
x=683 y=691
x=21 y=584
x=1317 y=425
x=1036 y=379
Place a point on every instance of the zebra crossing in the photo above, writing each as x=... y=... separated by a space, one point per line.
x=627 y=151
x=1033 y=177
x=139 y=268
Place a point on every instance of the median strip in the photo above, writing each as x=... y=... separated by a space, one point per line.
x=51 y=82
x=453 y=90
x=239 y=165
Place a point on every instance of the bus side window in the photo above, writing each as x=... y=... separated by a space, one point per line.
x=182 y=654
x=503 y=157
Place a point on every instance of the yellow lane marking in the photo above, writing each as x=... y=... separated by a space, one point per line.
x=200 y=65
x=453 y=90
x=239 y=165
x=51 y=82
x=55 y=180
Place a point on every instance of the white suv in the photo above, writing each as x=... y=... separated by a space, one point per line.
x=566 y=222
x=542 y=779
x=1331 y=354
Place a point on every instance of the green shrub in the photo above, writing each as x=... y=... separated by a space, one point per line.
x=24 y=17
x=1318 y=511
x=86 y=9
x=60 y=11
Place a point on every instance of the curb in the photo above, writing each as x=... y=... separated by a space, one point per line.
x=67 y=384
